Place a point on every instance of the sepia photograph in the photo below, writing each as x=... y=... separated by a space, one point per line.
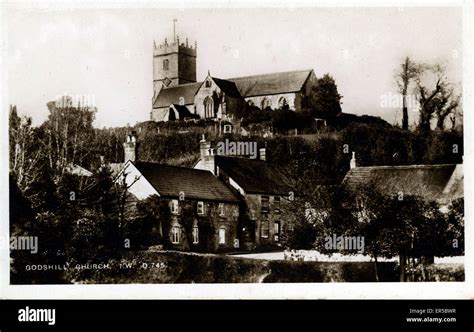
x=234 y=144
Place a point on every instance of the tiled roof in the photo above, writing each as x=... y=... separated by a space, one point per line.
x=254 y=176
x=171 y=95
x=274 y=83
x=170 y=181
x=427 y=181
x=246 y=86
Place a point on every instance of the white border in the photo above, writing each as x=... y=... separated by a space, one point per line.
x=443 y=290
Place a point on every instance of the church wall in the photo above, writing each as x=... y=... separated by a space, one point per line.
x=291 y=98
x=202 y=94
x=159 y=114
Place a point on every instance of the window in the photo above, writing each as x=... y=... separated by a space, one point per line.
x=174 y=206
x=208 y=108
x=276 y=231
x=200 y=208
x=222 y=235
x=264 y=229
x=266 y=103
x=264 y=202
x=175 y=234
x=181 y=101
x=282 y=102
x=208 y=84
x=276 y=204
x=227 y=129
x=221 y=210
x=166 y=64
x=195 y=235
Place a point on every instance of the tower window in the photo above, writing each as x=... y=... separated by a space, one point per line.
x=166 y=64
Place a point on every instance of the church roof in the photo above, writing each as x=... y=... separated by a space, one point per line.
x=246 y=86
x=228 y=87
x=254 y=176
x=427 y=181
x=171 y=95
x=274 y=83
x=170 y=181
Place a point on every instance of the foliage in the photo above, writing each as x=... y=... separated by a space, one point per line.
x=323 y=101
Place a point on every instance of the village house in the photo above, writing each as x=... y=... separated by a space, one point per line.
x=175 y=87
x=265 y=191
x=193 y=196
x=441 y=183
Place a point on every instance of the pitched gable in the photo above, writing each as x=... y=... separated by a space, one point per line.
x=171 y=181
x=172 y=95
x=254 y=176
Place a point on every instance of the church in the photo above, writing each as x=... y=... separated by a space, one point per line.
x=177 y=95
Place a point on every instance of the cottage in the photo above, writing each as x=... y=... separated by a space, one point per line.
x=265 y=192
x=193 y=196
x=442 y=183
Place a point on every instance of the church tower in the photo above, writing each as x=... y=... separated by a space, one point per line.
x=173 y=64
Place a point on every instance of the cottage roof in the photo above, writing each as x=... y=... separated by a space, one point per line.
x=427 y=181
x=170 y=181
x=255 y=176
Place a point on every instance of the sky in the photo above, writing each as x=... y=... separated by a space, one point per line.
x=105 y=54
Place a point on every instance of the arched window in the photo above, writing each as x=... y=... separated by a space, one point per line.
x=266 y=103
x=282 y=102
x=181 y=101
x=208 y=83
x=208 y=108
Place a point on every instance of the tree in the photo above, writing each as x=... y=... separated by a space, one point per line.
x=323 y=100
x=426 y=95
x=70 y=132
x=445 y=103
x=406 y=74
x=26 y=156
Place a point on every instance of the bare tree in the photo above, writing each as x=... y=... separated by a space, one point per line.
x=426 y=96
x=407 y=73
x=445 y=104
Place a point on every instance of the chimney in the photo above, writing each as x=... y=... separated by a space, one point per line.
x=263 y=154
x=130 y=147
x=352 y=164
x=207 y=155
